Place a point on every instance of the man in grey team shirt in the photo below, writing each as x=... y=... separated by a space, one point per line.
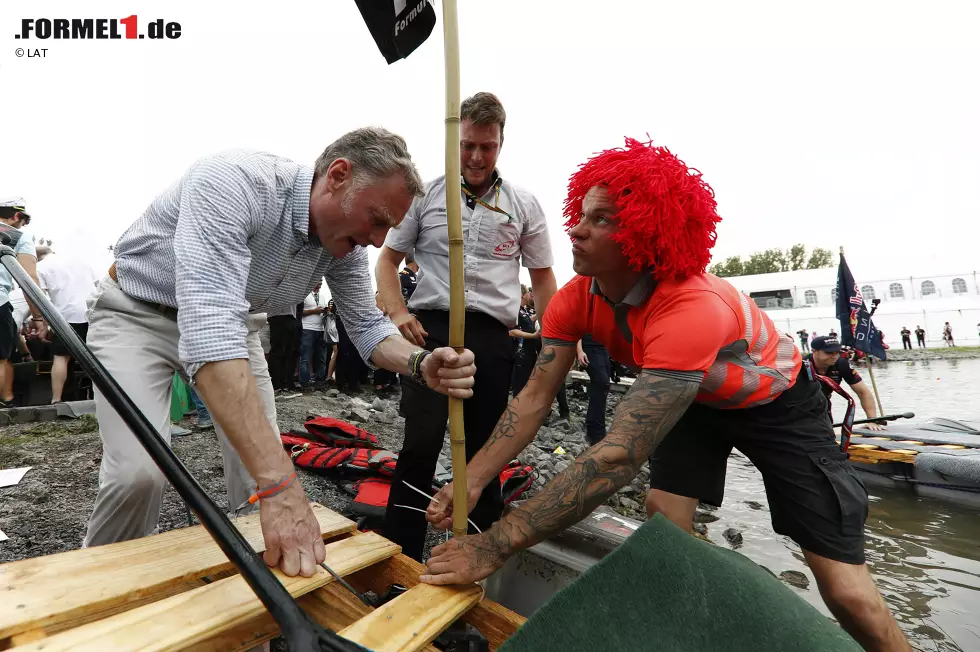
x=242 y=234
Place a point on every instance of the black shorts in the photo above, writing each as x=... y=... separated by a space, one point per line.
x=815 y=497
x=8 y=332
x=58 y=346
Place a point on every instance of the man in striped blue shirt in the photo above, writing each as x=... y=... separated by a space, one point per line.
x=242 y=234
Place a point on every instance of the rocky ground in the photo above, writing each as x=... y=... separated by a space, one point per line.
x=47 y=512
x=898 y=354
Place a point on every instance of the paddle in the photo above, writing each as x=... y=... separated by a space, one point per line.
x=889 y=417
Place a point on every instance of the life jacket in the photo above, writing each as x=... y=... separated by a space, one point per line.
x=370 y=502
x=372 y=462
x=350 y=460
x=314 y=455
x=371 y=494
x=334 y=432
x=515 y=480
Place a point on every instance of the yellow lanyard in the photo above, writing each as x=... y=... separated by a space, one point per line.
x=496 y=200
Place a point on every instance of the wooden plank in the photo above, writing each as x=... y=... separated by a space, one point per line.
x=196 y=616
x=67 y=586
x=414 y=619
x=29 y=636
x=332 y=606
x=880 y=456
x=495 y=622
x=335 y=607
x=909 y=442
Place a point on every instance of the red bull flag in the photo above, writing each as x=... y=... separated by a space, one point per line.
x=398 y=26
x=857 y=329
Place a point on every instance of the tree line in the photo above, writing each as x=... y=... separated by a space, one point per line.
x=774 y=260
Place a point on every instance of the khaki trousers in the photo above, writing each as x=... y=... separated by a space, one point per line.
x=138 y=346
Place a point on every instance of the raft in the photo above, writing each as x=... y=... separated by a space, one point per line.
x=938 y=458
x=178 y=591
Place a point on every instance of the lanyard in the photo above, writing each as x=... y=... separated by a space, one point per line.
x=496 y=200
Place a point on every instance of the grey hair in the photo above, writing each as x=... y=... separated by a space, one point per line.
x=375 y=153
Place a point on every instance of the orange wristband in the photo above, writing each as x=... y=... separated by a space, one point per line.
x=273 y=489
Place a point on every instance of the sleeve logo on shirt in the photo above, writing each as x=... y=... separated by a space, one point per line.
x=505 y=249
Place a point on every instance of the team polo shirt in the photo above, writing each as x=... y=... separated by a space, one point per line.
x=701 y=328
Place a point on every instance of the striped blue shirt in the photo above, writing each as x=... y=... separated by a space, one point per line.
x=230 y=238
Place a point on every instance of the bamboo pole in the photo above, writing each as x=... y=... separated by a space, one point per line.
x=874 y=385
x=457 y=297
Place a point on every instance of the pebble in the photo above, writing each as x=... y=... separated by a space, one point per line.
x=389 y=416
x=795 y=578
x=733 y=537
x=359 y=414
x=704 y=517
x=629 y=502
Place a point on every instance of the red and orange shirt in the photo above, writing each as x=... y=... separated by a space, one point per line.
x=701 y=325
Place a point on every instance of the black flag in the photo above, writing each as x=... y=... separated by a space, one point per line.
x=398 y=26
x=857 y=329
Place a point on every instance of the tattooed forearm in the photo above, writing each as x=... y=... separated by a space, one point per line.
x=506 y=426
x=534 y=411
x=525 y=413
x=643 y=418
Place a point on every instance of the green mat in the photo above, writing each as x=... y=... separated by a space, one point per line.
x=663 y=589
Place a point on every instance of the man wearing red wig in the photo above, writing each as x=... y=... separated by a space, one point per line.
x=716 y=375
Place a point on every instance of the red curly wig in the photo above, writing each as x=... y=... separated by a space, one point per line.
x=667 y=212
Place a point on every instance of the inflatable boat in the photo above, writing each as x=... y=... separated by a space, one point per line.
x=935 y=458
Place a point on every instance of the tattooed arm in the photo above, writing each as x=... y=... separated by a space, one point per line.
x=642 y=419
x=515 y=429
x=525 y=413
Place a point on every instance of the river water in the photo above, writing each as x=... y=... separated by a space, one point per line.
x=924 y=554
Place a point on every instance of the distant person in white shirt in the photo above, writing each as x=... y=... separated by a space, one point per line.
x=312 y=362
x=13 y=218
x=69 y=282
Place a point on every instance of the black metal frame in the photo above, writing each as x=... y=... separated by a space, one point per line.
x=884 y=419
x=302 y=634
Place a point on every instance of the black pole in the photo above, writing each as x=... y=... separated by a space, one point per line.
x=302 y=634
x=889 y=417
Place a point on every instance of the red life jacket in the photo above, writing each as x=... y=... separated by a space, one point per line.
x=515 y=480
x=334 y=432
x=348 y=459
x=374 y=462
x=323 y=458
